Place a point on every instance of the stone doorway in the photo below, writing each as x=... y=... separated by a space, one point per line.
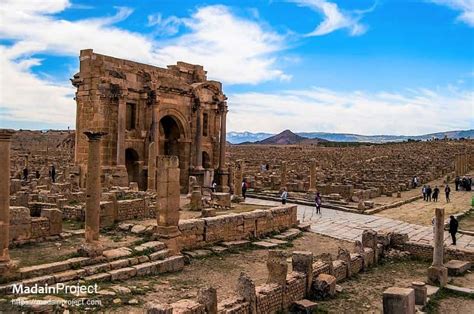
x=131 y=162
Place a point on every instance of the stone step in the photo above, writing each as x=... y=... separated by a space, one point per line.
x=264 y=245
x=112 y=259
x=126 y=271
x=289 y=234
x=198 y=253
x=235 y=244
x=276 y=241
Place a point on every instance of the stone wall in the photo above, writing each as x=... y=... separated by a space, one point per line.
x=25 y=228
x=346 y=191
x=278 y=298
x=196 y=233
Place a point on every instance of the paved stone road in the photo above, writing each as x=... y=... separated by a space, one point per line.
x=349 y=226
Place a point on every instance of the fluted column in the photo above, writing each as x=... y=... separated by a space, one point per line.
x=223 y=138
x=93 y=187
x=198 y=165
x=121 y=121
x=5 y=143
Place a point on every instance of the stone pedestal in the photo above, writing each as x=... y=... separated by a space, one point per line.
x=302 y=261
x=277 y=267
x=421 y=292
x=437 y=276
x=221 y=200
x=208 y=298
x=223 y=184
x=399 y=300
x=196 y=198
x=167 y=200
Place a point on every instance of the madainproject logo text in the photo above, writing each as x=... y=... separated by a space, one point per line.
x=59 y=288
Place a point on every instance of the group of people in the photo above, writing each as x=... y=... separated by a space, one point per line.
x=26 y=172
x=463 y=184
x=430 y=194
x=317 y=200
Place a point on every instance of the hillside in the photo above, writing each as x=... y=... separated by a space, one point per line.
x=288 y=138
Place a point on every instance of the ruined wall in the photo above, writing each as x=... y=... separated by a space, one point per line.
x=201 y=232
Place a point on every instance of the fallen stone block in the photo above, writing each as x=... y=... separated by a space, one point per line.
x=457 y=268
x=399 y=300
x=323 y=287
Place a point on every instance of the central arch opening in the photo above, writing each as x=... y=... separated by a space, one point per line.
x=170 y=129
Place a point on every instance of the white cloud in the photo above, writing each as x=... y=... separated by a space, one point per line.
x=335 y=18
x=409 y=112
x=232 y=49
x=466 y=7
x=165 y=26
x=25 y=97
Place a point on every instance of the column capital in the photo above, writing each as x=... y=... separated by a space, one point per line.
x=94 y=136
x=6 y=134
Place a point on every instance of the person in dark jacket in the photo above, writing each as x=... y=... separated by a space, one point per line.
x=453 y=228
x=317 y=201
x=428 y=193
x=447 y=190
x=25 y=174
x=435 y=194
x=457 y=181
x=53 y=173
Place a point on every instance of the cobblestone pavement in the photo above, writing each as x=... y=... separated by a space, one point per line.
x=349 y=226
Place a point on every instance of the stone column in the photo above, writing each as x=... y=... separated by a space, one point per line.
x=223 y=138
x=121 y=121
x=238 y=178
x=223 y=175
x=151 y=185
x=312 y=175
x=93 y=187
x=198 y=165
x=231 y=180
x=5 y=143
x=437 y=273
x=167 y=200
x=156 y=129
x=283 y=174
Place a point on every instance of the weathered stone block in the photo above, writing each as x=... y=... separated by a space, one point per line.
x=399 y=300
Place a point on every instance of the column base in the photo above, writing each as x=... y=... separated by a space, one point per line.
x=437 y=276
x=169 y=235
x=7 y=268
x=199 y=174
x=223 y=181
x=91 y=249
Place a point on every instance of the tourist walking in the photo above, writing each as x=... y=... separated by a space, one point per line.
x=284 y=196
x=244 y=188
x=37 y=174
x=447 y=190
x=423 y=191
x=317 y=201
x=457 y=181
x=428 y=193
x=25 y=174
x=435 y=194
x=453 y=228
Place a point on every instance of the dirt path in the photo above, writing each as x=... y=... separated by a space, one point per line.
x=421 y=212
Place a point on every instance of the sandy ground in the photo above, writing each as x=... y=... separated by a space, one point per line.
x=421 y=212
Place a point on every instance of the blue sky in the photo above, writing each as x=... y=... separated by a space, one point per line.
x=365 y=66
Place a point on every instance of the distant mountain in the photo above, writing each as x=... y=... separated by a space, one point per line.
x=288 y=138
x=240 y=137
